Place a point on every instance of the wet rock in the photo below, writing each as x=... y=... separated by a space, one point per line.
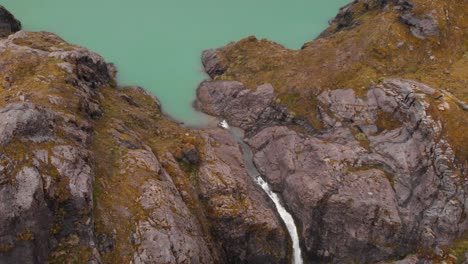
x=243 y=220
x=8 y=23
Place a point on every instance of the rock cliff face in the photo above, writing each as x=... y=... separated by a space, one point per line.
x=378 y=182
x=94 y=173
x=371 y=169
x=361 y=133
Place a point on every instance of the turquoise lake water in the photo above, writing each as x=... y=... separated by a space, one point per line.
x=157 y=44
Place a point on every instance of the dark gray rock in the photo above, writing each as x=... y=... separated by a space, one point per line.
x=42 y=182
x=347 y=17
x=212 y=63
x=26 y=121
x=25 y=219
x=191 y=155
x=8 y=23
x=420 y=27
x=105 y=243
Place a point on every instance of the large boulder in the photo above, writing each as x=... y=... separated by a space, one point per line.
x=212 y=63
x=242 y=107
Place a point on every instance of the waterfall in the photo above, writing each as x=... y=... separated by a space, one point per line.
x=288 y=220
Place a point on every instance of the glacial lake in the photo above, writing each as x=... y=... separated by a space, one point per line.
x=157 y=44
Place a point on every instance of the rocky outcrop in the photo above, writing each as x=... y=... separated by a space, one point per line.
x=241 y=106
x=46 y=187
x=380 y=173
x=212 y=63
x=348 y=16
x=26 y=121
x=8 y=23
x=242 y=216
x=46 y=174
x=169 y=233
x=420 y=27
x=244 y=108
x=358 y=186
x=379 y=181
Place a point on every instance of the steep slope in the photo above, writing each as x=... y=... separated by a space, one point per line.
x=362 y=130
x=94 y=173
x=367 y=42
x=361 y=133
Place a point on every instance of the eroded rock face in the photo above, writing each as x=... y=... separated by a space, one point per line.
x=8 y=23
x=211 y=62
x=378 y=182
x=348 y=17
x=242 y=216
x=170 y=233
x=420 y=27
x=46 y=171
x=357 y=186
x=244 y=108
x=24 y=213
x=26 y=120
x=46 y=192
x=352 y=197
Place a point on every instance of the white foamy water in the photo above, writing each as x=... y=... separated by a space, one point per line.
x=287 y=219
x=253 y=172
x=224 y=124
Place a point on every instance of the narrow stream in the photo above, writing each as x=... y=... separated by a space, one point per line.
x=238 y=134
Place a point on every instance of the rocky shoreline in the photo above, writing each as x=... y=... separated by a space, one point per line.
x=371 y=170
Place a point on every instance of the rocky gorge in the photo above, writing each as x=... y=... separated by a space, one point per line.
x=361 y=133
